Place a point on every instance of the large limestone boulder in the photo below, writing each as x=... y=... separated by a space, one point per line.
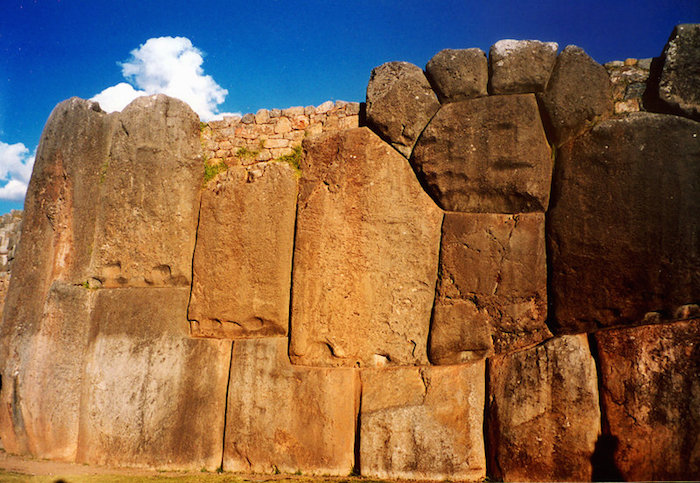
x=543 y=414
x=623 y=226
x=679 y=85
x=423 y=423
x=151 y=396
x=286 y=418
x=492 y=288
x=365 y=255
x=40 y=403
x=242 y=265
x=578 y=95
x=149 y=196
x=520 y=66
x=650 y=389
x=400 y=102
x=486 y=155
x=457 y=75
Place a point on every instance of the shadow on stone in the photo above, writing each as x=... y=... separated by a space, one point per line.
x=603 y=459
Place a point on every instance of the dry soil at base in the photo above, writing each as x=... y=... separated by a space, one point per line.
x=21 y=469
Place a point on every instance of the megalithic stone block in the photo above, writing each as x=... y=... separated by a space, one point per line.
x=365 y=256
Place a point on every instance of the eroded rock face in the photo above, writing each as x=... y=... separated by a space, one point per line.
x=361 y=209
x=457 y=75
x=243 y=260
x=679 y=86
x=650 y=390
x=487 y=155
x=149 y=196
x=286 y=418
x=400 y=102
x=520 y=66
x=492 y=289
x=577 y=95
x=544 y=418
x=622 y=230
x=423 y=423
x=151 y=396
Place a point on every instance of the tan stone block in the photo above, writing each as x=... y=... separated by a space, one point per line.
x=649 y=387
x=276 y=143
x=283 y=125
x=325 y=107
x=286 y=418
x=630 y=105
x=277 y=152
x=293 y=111
x=361 y=209
x=262 y=116
x=423 y=423
x=243 y=259
x=544 y=417
x=300 y=122
x=144 y=380
x=314 y=129
x=348 y=122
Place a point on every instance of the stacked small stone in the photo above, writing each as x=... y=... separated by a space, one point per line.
x=271 y=133
x=629 y=82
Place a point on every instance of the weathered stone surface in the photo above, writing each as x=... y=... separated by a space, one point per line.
x=577 y=95
x=151 y=396
x=544 y=417
x=679 y=85
x=651 y=394
x=361 y=209
x=400 y=102
x=623 y=226
x=492 y=289
x=55 y=245
x=149 y=196
x=41 y=401
x=486 y=155
x=423 y=423
x=286 y=418
x=457 y=75
x=520 y=66
x=242 y=265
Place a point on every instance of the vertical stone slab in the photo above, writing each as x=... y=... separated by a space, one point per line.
x=650 y=390
x=544 y=417
x=365 y=256
x=679 y=83
x=152 y=397
x=286 y=418
x=56 y=236
x=623 y=229
x=149 y=196
x=423 y=423
x=242 y=267
x=492 y=288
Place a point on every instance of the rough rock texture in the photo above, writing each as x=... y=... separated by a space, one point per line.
x=361 y=209
x=651 y=398
x=623 y=227
x=149 y=195
x=492 y=289
x=286 y=418
x=457 y=75
x=43 y=399
x=520 y=66
x=152 y=396
x=423 y=423
x=577 y=95
x=400 y=102
x=486 y=155
x=243 y=259
x=679 y=85
x=544 y=418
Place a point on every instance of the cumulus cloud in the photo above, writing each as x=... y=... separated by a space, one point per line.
x=166 y=65
x=16 y=164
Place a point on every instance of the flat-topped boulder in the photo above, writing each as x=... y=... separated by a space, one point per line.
x=520 y=66
x=458 y=74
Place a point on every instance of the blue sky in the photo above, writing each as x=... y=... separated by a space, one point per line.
x=272 y=53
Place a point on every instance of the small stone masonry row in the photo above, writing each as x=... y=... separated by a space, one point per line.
x=497 y=278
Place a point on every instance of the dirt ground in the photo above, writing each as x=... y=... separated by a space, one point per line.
x=23 y=469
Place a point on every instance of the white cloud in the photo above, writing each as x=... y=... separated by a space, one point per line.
x=167 y=65
x=16 y=164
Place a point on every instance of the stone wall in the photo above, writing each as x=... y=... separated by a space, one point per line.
x=496 y=277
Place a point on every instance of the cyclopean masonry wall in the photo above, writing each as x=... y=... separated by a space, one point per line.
x=496 y=277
